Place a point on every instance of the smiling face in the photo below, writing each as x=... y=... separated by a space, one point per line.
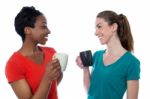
x=104 y=31
x=38 y=34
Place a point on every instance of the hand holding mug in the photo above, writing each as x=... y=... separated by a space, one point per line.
x=63 y=60
x=53 y=70
x=79 y=62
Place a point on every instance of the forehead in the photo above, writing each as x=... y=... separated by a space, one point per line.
x=41 y=19
x=100 y=21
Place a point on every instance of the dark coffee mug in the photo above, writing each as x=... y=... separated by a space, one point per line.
x=86 y=58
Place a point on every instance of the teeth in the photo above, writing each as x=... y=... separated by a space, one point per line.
x=46 y=38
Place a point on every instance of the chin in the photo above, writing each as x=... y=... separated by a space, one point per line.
x=42 y=43
x=102 y=43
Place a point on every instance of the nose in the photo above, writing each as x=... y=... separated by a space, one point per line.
x=96 y=33
x=48 y=31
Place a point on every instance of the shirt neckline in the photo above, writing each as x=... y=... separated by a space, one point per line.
x=30 y=61
x=115 y=62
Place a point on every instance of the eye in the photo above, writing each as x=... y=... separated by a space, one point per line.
x=44 y=27
x=98 y=26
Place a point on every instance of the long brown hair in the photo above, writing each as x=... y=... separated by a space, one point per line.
x=123 y=31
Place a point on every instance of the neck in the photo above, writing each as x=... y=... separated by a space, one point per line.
x=29 y=48
x=114 y=47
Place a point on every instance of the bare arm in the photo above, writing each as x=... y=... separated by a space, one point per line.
x=23 y=91
x=132 y=89
x=86 y=74
x=86 y=78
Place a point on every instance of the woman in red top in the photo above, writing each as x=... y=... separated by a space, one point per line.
x=31 y=71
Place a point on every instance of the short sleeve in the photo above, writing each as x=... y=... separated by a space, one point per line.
x=13 y=71
x=133 y=72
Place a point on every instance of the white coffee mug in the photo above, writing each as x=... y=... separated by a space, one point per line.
x=63 y=60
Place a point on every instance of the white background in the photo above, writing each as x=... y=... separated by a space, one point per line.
x=72 y=30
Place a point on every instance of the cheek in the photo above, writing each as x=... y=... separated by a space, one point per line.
x=37 y=36
x=99 y=31
x=107 y=32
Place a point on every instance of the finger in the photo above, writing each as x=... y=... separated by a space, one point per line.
x=59 y=74
x=55 y=60
x=56 y=66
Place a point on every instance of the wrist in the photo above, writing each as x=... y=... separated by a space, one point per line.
x=85 y=68
x=46 y=80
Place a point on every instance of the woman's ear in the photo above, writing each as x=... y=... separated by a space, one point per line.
x=27 y=30
x=114 y=27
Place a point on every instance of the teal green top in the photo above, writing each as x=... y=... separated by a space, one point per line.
x=110 y=82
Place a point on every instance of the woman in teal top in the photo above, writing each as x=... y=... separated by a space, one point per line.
x=115 y=69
